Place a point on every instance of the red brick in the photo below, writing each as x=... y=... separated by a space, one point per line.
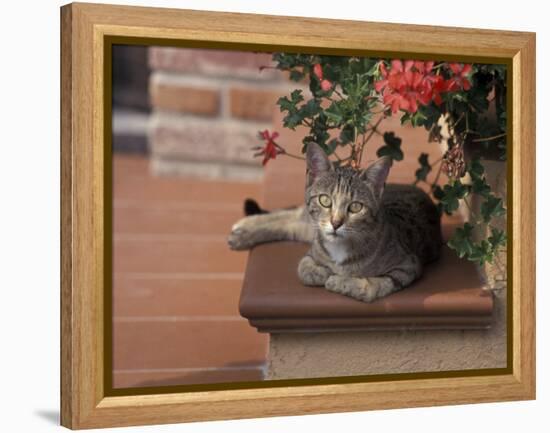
x=187 y=99
x=218 y=63
x=205 y=140
x=253 y=103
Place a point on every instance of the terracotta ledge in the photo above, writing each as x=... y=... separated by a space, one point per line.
x=448 y=296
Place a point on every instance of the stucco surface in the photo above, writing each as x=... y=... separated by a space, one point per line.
x=309 y=355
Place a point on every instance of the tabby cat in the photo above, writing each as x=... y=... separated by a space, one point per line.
x=368 y=239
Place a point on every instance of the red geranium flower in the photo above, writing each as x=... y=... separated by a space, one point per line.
x=271 y=149
x=410 y=83
x=439 y=87
x=460 y=79
x=406 y=84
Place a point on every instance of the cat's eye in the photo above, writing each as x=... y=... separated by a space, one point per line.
x=355 y=207
x=325 y=200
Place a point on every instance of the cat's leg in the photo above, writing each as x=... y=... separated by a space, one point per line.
x=281 y=225
x=311 y=273
x=362 y=289
x=371 y=288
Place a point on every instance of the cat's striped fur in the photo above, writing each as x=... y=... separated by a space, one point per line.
x=369 y=253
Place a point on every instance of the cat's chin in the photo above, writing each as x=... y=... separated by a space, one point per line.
x=333 y=236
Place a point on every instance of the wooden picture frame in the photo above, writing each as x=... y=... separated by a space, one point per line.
x=88 y=30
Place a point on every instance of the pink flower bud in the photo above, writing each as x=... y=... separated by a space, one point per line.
x=326 y=85
x=318 y=71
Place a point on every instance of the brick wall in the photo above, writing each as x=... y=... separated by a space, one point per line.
x=208 y=106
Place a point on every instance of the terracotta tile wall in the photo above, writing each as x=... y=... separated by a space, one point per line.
x=176 y=285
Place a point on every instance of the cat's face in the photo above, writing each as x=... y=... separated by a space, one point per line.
x=343 y=202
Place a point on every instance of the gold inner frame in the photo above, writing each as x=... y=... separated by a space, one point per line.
x=108 y=42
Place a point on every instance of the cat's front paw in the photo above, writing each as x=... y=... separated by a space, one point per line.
x=356 y=288
x=312 y=274
x=241 y=236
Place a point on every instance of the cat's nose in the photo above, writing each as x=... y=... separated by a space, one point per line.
x=336 y=223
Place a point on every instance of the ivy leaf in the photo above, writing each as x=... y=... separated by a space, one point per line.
x=292 y=121
x=481 y=253
x=295 y=115
x=296 y=75
x=491 y=207
x=461 y=241
x=331 y=146
x=497 y=238
x=285 y=104
x=392 y=147
x=431 y=114
x=297 y=96
x=480 y=186
x=475 y=168
x=425 y=167
x=450 y=195
x=311 y=108
x=438 y=192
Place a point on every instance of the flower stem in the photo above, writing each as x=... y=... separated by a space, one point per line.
x=368 y=137
x=293 y=156
x=494 y=137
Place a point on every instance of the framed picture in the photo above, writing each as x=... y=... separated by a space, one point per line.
x=270 y=216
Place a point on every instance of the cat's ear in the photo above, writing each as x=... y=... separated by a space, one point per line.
x=317 y=163
x=377 y=173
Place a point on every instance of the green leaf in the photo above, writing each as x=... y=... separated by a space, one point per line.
x=475 y=168
x=497 y=238
x=418 y=118
x=461 y=241
x=480 y=186
x=297 y=96
x=331 y=146
x=430 y=115
x=346 y=134
x=450 y=195
x=392 y=147
x=335 y=112
x=292 y=120
x=425 y=167
x=296 y=75
x=405 y=118
x=311 y=108
x=285 y=104
x=289 y=105
x=481 y=253
x=491 y=207
x=438 y=192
